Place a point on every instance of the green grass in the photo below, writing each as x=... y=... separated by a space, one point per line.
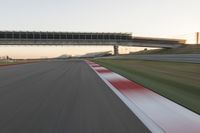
x=3 y=62
x=187 y=49
x=6 y=63
x=179 y=82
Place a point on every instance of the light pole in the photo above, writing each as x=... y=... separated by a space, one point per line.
x=197 y=38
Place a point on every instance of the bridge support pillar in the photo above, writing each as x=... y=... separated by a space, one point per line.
x=116 y=49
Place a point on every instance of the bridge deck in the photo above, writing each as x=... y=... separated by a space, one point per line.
x=83 y=38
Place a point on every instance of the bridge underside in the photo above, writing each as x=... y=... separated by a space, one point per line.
x=88 y=42
x=115 y=44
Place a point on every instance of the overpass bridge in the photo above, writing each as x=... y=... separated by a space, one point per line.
x=84 y=38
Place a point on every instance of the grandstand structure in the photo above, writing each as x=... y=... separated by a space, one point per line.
x=84 y=38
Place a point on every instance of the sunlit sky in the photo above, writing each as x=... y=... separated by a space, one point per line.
x=156 y=18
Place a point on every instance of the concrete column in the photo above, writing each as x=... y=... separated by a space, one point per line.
x=116 y=49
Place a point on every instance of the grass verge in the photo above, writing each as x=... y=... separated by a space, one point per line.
x=187 y=49
x=179 y=82
x=16 y=62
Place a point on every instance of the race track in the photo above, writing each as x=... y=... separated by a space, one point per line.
x=61 y=97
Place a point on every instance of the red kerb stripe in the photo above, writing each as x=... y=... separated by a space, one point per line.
x=103 y=71
x=126 y=85
x=96 y=65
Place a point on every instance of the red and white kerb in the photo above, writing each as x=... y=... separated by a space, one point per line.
x=158 y=113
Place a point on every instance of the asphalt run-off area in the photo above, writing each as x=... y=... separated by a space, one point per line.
x=61 y=97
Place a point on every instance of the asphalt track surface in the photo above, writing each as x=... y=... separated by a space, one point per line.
x=188 y=58
x=61 y=97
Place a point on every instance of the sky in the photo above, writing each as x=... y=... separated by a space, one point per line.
x=152 y=18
